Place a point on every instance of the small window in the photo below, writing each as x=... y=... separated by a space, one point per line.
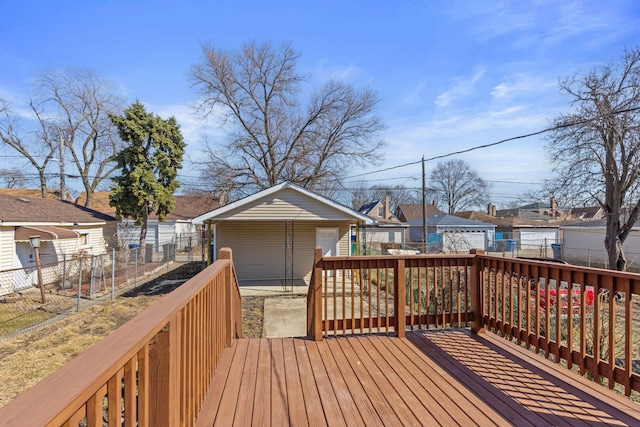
x=380 y=212
x=84 y=239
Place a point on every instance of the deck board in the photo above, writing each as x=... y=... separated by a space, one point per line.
x=444 y=377
x=262 y=398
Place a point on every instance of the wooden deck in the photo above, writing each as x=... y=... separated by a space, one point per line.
x=443 y=377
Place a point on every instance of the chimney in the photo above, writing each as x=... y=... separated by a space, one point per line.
x=387 y=213
x=491 y=209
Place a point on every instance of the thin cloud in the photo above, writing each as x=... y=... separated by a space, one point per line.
x=461 y=88
x=346 y=73
x=522 y=84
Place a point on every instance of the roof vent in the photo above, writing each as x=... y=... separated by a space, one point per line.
x=22 y=199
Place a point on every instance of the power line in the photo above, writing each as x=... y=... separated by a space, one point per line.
x=502 y=141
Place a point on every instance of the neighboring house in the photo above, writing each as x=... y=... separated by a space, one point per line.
x=381 y=236
x=583 y=243
x=176 y=228
x=386 y=230
x=452 y=233
x=408 y=212
x=379 y=211
x=274 y=232
x=412 y=213
x=588 y=213
x=527 y=233
x=65 y=230
x=534 y=211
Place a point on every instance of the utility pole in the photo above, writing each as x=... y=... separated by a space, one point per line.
x=424 y=209
x=63 y=195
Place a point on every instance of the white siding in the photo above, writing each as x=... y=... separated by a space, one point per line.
x=285 y=204
x=6 y=260
x=6 y=248
x=166 y=233
x=187 y=228
x=376 y=236
x=537 y=238
x=259 y=247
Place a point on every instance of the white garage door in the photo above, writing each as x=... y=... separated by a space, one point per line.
x=538 y=238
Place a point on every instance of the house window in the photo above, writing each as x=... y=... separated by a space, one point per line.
x=84 y=240
x=380 y=212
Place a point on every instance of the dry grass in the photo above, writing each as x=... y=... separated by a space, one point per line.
x=252 y=317
x=30 y=358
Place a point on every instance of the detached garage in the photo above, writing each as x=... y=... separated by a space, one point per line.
x=455 y=234
x=273 y=233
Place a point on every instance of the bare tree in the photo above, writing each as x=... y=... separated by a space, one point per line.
x=457 y=186
x=13 y=178
x=78 y=104
x=360 y=195
x=36 y=144
x=398 y=194
x=274 y=138
x=596 y=149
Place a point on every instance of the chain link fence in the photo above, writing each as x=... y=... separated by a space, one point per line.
x=73 y=282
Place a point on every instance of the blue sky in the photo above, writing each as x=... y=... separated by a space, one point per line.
x=450 y=75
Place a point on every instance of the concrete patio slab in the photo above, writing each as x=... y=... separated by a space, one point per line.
x=285 y=317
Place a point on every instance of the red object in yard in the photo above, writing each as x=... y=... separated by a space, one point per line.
x=564 y=303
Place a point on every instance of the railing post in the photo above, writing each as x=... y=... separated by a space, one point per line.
x=476 y=294
x=225 y=253
x=317 y=296
x=399 y=293
x=164 y=376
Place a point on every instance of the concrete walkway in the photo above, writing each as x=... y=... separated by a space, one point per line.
x=285 y=306
x=285 y=317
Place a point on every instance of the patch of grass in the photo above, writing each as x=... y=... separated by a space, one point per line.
x=14 y=320
x=27 y=360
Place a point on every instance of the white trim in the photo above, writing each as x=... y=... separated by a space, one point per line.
x=247 y=200
x=87 y=235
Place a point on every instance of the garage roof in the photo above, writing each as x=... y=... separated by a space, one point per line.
x=285 y=201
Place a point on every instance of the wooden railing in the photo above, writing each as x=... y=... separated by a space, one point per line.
x=153 y=371
x=365 y=294
x=587 y=319
x=584 y=318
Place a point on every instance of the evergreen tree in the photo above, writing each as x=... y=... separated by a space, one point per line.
x=149 y=166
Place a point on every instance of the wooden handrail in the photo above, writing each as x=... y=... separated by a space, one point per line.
x=165 y=357
x=578 y=315
x=570 y=314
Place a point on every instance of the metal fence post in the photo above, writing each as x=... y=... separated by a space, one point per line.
x=135 y=277
x=64 y=270
x=79 y=282
x=113 y=274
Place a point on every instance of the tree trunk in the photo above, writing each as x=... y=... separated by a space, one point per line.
x=43 y=183
x=143 y=233
x=613 y=206
x=88 y=199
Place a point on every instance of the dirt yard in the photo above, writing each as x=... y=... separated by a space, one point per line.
x=27 y=359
